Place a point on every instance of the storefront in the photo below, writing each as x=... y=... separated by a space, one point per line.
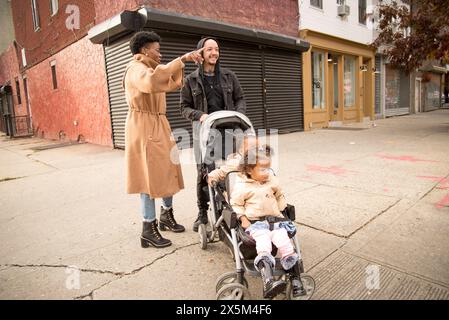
x=268 y=66
x=397 y=92
x=338 y=78
x=432 y=76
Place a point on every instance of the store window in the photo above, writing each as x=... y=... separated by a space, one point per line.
x=349 y=82
x=317 y=3
x=35 y=14
x=54 y=6
x=362 y=12
x=19 y=96
x=318 y=83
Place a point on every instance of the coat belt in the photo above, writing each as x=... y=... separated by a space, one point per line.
x=149 y=112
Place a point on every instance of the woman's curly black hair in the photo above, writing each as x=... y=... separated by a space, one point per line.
x=141 y=39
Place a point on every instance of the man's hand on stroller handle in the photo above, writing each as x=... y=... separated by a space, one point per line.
x=211 y=181
x=203 y=117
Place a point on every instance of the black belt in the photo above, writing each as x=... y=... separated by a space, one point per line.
x=271 y=221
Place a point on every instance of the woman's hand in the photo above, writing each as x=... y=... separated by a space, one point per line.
x=193 y=56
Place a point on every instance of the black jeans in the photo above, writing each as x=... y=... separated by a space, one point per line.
x=202 y=192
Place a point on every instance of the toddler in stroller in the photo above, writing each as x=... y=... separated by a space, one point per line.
x=255 y=259
x=258 y=201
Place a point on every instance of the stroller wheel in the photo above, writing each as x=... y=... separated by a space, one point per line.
x=203 y=236
x=233 y=291
x=309 y=285
x=228 y=278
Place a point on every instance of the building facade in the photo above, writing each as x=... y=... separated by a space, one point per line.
x=57 y=75
x=71 y=80
x=399 y=92
x=14 y=107
x=258 y=41
x=393 y=85
x=339 y=69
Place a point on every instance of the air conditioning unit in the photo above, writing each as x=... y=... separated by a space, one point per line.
x=343 y=10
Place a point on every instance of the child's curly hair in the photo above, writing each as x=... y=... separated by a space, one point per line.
x=252 y=156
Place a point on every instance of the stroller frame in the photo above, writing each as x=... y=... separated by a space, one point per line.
x=222 y=221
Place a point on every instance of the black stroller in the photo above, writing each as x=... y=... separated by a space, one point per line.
x=223 y=220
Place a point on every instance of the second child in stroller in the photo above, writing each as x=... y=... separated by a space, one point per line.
x=258 y=202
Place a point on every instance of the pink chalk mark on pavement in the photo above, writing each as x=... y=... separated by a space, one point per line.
x=443 y=184
x=337 y=171
x=404 y=158
x=443 y=202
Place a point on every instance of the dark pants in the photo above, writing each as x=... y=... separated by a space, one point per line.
x=202 y=192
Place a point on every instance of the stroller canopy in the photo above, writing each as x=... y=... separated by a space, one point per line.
x=225 y=123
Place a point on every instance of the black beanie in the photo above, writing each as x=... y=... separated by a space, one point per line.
x=199 y=46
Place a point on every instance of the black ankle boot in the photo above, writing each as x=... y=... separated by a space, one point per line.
x=271 y=288
x=167 y=221
x=201 y=219
x=151 y=236
x=295 y=279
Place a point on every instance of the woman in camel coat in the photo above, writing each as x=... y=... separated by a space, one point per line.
x=151 y=156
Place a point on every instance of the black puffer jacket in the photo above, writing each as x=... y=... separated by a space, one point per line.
x=193 y=98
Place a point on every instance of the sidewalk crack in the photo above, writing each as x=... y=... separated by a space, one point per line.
x=125 y=274
x=61 y=266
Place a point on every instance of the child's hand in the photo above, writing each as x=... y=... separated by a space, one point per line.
x=245 y=223
x=210 y=181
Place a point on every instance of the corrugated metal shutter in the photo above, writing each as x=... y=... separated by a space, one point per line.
x=174 y=45
x=284 y=100
x=378 y=81
x=246 y=62
x=397 y=92
x=117 y=56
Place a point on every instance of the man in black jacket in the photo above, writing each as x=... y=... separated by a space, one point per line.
x=208 y=89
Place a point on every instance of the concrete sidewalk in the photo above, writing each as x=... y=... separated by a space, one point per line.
x=372 y=209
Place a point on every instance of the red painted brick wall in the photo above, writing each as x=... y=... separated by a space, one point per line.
x=53 y=34
x=81 y=95
x=281 y=16
x=9 y=71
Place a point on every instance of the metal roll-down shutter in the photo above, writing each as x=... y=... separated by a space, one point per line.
x=283 y=98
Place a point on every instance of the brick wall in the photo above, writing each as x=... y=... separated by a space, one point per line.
x=279 y=16
x=53 y=34
x=81 y=95
x=9 y=71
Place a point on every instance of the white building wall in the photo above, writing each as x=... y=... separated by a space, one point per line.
x=327 y=21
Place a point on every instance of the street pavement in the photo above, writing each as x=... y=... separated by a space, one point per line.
x=372 y=203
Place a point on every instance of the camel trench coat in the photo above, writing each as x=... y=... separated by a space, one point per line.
x=151 y=154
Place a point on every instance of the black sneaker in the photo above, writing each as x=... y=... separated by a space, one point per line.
x=201 y=219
